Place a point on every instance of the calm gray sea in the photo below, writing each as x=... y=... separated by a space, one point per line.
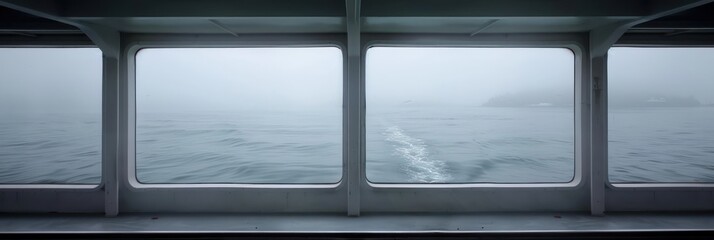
x=427 y=145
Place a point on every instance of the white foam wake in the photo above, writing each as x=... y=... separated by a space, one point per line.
x=419 y=166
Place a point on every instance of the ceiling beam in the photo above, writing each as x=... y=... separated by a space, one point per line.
x=30 y=25
x=503 y=8
x=667 y=25
x=214 y=9
x=43 y=9
x=602 y=38
x=371 y=8
x=107 y=39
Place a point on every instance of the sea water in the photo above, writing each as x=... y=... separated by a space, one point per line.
x=402 y=145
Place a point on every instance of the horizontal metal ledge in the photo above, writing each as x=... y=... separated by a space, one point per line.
x=544 y=222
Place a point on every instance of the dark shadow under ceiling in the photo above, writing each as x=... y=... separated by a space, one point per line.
x=14 y=22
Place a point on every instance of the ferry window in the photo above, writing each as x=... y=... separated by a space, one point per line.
x=661 y=114
x=239 y=115
x=50 y=115
x=469 y=115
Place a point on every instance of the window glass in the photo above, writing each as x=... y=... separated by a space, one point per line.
x=239 y=115
x=661 y=115
x=469 y=115
x=50 y=115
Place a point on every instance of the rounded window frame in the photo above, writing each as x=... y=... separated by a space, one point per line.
x=133 y=47
x=541 y=41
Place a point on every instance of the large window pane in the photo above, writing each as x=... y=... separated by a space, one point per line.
x=469 y=115
x=239 y=115
x=50 y=115
x=661 y=115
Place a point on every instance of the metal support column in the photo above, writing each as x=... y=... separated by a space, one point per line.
x=109 y=136
x=600 y=41
x=598 y=168
x=354 y=108
x=108 y=41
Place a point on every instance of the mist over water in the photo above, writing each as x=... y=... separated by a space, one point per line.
x=433 y=115
x=246 y=147
x=471 y=145
x=452 y=115
x=50 y=115
x=661 y=144
x=50 y=148
x=661 y=110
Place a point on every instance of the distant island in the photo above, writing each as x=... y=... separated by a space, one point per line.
x=548 y=99
x=531 y=99
x=652 y=100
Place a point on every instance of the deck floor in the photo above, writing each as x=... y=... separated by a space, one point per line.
x=368 y=223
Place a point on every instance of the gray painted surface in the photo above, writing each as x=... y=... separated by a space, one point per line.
x=592 y=26
x=365 y=223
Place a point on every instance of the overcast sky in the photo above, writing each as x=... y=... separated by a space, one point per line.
x=464 y=76
x=220 y=79
x=54 y=80
x=680 y=72
x=225 y=79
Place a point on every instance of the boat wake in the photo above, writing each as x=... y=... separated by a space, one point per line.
x=419 y=166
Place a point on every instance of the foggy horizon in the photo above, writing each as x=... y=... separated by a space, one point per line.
x=230 y=79
x=305 y=88
x=464 y=76
x=234 y=79
x=661 y=71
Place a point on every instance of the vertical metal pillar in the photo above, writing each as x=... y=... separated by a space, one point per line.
x=354 y=105
x=598 y=167
x=600 y=41
x=109 y=136
x=108 y=41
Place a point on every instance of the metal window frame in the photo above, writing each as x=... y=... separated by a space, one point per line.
x=485 y=197
x=656 y=186
x=136 y=47
x=63 y=186
x=577 y=161
x=656 y=196
x=209 y=197
x=395 y=198
x=435 y=41
x=74 y=198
